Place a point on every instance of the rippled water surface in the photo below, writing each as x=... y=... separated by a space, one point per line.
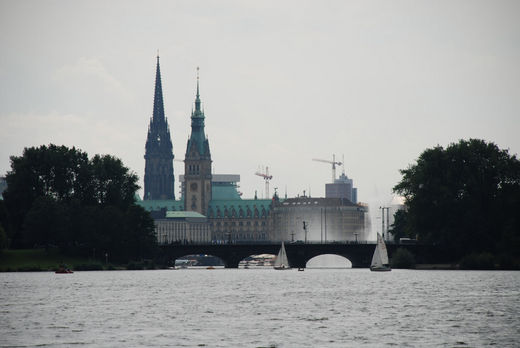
x=260 y=308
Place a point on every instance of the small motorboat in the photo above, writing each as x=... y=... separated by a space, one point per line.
x=63 y=270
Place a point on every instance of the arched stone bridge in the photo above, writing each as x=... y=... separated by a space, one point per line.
x=360 y=254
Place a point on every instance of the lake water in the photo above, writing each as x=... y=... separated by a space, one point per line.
x=260 y=308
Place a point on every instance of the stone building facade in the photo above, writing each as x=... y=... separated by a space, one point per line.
x=326 y=220
x=212 y=210
x=182 y=227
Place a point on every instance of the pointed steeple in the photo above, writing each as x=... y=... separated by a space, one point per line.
x=198 y=137
x=198 y=95
x=197 y=98
x=158 y=105
x=159 y=181
x=197 y=163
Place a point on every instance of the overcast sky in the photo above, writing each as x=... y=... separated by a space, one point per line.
x=282 y=82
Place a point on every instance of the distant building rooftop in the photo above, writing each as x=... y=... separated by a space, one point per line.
x=159 y=204
x=312 y=201
x=222 y=178
x=183 y=215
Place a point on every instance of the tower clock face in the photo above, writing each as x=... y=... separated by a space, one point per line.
x=193 y=186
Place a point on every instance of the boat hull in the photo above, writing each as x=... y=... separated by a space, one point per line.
x=380 y=269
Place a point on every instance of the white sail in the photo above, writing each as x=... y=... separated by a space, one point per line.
x=380 y=257
x=382 y=250
x=281 y=261
x=376 y=258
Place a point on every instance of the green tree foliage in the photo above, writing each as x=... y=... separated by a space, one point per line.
x=57 y=196
x=465 y=197
x=55 y=172
x=3 y=238
x=400 y=228
x=403 y=258
x=478 y=261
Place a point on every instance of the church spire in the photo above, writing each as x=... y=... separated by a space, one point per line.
x=197 y=98
x=158 y=105
x=198 y=137
x=159 y=181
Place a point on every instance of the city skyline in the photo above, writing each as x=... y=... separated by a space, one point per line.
x=281 y=83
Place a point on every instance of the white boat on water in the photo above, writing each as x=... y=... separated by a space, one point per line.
x=281 y=261
x=380 y=258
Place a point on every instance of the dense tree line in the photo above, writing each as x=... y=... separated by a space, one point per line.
x=465 y=197
x=57 y=196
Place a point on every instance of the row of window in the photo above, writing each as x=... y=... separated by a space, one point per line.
x=194 y=169
x=233 y=213
x=240 y=223
x=240 y=236
x=170 y=234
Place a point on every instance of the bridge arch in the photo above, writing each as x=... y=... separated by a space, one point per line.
x=257 y=261
x=297 y=253
x=329 y=261
x=197 y=260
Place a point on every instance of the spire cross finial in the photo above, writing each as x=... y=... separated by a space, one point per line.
x=157 y=54
x=198 y=82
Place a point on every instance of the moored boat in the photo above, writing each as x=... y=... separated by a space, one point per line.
x=63 y=270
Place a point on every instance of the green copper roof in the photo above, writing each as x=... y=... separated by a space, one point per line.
x=198 y=137
x=157 y=204
x=241 y=208
x=183 y=215
x=224 y=191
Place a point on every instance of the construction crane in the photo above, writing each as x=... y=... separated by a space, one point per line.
x=267 y=177
x=333 y=162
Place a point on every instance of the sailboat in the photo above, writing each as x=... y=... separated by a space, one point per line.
x=281 y=261
x=380 y=258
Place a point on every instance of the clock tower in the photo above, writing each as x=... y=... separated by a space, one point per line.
x=197 y=163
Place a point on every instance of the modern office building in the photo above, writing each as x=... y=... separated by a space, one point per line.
x=343 y=188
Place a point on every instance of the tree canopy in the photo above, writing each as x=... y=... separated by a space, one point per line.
x=465 y=197
x=57 y=196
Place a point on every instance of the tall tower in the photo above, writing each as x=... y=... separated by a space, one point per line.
x=197 y=163
x=159 y=182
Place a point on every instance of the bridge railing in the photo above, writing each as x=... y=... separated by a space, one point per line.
x=244 y=242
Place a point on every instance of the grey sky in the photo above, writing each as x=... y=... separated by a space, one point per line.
x=282 y=82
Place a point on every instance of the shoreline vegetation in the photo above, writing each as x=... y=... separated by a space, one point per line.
x=41 y=260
